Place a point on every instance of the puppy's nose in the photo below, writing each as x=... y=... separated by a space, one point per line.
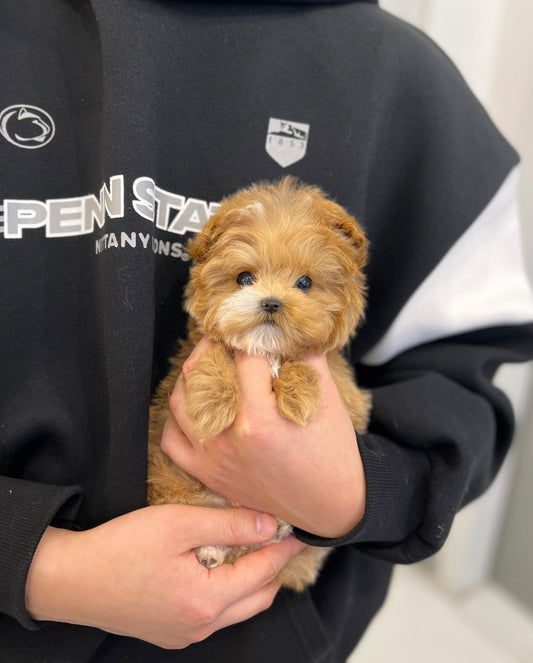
x=271 y=305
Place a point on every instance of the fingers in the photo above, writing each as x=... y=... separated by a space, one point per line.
x=255 y=377
x=329 y=393
x=255 y=571
x=236 y=592
x=262 y=566
x=208 y=526
x=254 y=374
x=249 y=606
x=241 y=590
x=177 y=400
x=255 y=382
x=318 y=362
x=175 y=443
x=204 y=344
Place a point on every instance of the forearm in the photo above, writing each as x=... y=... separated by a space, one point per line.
x=57 y=574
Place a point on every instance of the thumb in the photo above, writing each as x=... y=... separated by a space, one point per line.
x=214 y=526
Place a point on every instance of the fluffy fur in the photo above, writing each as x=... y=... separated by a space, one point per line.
x=277 y=271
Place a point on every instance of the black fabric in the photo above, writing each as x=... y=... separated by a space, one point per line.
x=419 y=476
x=173 y=100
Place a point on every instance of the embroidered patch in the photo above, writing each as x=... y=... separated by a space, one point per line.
x=286 y=141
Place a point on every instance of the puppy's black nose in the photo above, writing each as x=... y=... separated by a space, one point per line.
x=271 y=305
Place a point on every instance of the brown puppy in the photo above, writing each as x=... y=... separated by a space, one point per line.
x=277 y=271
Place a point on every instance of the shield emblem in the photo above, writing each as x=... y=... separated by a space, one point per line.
x=286 y=141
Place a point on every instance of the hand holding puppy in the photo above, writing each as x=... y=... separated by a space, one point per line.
x=310 y=476
x=137 y=575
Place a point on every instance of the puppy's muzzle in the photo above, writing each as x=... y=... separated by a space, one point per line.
x=271 y=305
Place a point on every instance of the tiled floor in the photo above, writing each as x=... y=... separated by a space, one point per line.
x=421 y=623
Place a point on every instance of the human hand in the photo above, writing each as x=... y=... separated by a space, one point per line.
x=311 y=476
x=137 y=575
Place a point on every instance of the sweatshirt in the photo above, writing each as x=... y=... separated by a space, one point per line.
x=122 y=124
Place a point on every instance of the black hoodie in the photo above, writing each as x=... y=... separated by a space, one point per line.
x=122 y=122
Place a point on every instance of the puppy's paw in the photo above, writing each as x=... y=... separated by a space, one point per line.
x=297 y=392
x=210 y=417
x=211 y=556
x=284 y=530
x=212 y=395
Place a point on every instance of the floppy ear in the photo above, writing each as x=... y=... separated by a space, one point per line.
x=199 y=246
x=347 y=226
x=230 y=212
x=351 y=229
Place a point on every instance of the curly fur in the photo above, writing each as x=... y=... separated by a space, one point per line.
x=277 y=233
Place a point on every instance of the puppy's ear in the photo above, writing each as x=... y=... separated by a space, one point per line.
x=347 y=226
x=200 y=246
x=232 y=213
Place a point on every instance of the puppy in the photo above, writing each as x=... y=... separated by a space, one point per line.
x=277 y=271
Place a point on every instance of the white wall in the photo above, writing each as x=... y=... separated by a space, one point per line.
x=491 y=42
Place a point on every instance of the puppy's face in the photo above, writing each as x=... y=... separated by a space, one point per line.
x=277 y=270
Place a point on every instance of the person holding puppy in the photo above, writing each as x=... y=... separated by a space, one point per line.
x=124 y=123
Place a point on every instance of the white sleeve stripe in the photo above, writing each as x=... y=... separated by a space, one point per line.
x=470 y=288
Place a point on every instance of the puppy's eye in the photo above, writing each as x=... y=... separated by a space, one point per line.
x=304 y=283
x=245 y=278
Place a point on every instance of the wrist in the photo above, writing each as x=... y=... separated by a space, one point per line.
x=346 y=514
x=343 y=500
x=49 y=586
x=345 y=517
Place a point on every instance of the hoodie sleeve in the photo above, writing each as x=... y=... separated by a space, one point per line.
x=440 y=432
x=26 y=509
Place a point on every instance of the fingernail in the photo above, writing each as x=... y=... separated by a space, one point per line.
x=265 y=525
